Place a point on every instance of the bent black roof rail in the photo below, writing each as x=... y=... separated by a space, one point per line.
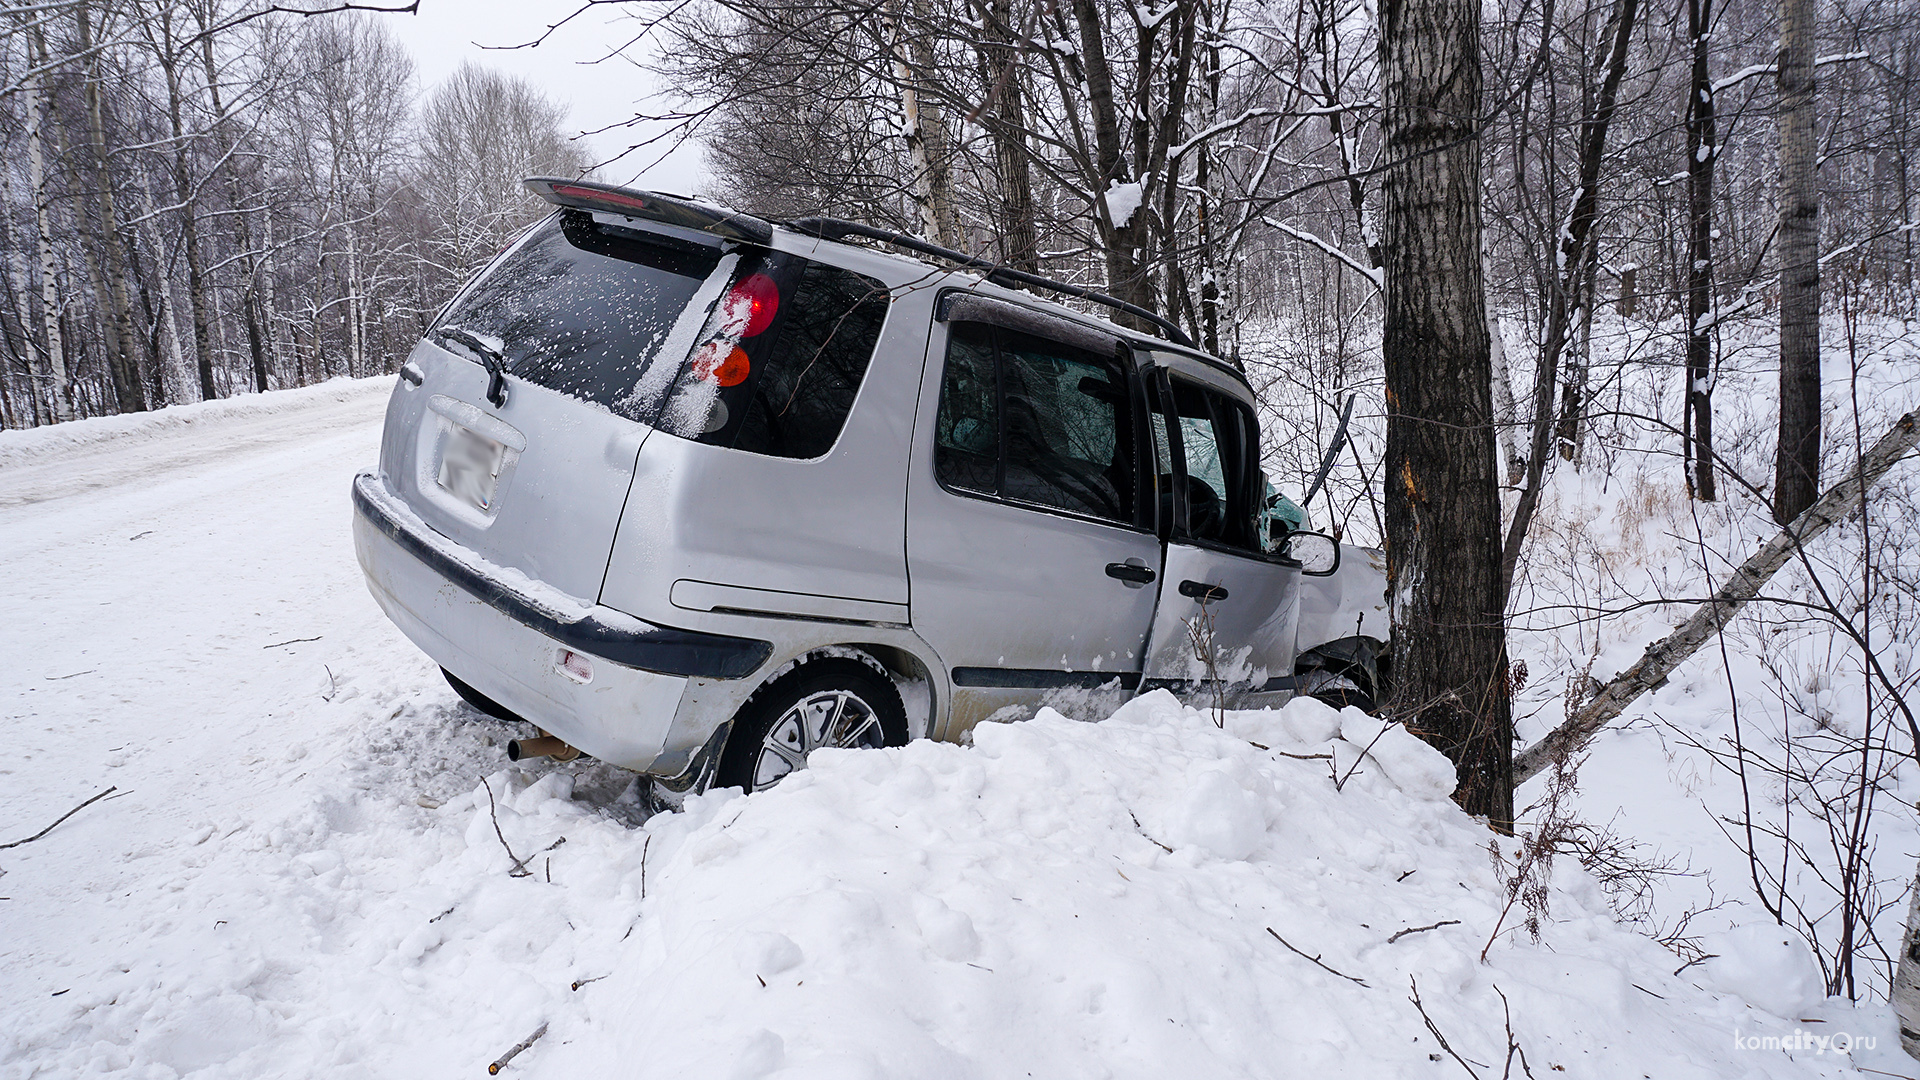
x=835 y=229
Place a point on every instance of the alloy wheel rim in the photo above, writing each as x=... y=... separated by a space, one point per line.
x=830 y=718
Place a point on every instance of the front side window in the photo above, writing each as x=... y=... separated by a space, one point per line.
x=1220 y=454
x=1036 y=422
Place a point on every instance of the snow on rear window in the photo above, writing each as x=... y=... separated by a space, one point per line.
x=591 y=310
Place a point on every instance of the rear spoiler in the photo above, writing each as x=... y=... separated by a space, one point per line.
x=651 y=205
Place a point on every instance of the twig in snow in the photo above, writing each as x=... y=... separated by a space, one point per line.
x=62 y=817
x=1305 y=757
x=442 y=915
x=1313 y=959
x=1339 y=779
x=643 y=865
x=1435 y=1029
x=1703 y=959
x=1645 y=991
x=293 y=641
x=1513 y=1044
x=1422 y=929
x=578 y=983
x=1143 y=832
x=494 y=1069
x=1406 y=875
x=519 y=865
x=75 y=675
x=333 y=687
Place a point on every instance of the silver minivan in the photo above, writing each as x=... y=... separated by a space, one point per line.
x=697 y=493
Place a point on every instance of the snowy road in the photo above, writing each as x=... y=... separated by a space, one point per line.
x=299 y=872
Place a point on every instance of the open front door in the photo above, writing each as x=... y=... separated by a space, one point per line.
x=1227 y=610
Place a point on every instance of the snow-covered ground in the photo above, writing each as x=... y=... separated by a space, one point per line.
x=304 y=867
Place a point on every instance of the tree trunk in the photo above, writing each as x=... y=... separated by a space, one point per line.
x=1906 y=978
x=174 y=375
x=1797 y=460
x=1697 y=438
x=57 y=387
x=129 y=394
x=197 y=300
x=1005 y=115
x=1663 y=656
x=1444 y=586
x=1119 y=243
x=926 y=129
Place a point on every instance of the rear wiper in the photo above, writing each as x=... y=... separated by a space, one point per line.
x=491 y=357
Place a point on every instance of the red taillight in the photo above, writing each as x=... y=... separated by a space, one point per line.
x=752 y=303
x=722 y=362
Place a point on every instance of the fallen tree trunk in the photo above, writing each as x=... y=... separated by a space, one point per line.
x=1663 y=656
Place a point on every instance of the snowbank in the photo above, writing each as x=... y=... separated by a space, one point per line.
x=19 y=446
x=1073 y=899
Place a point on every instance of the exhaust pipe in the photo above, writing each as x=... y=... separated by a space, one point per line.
x=544 y=746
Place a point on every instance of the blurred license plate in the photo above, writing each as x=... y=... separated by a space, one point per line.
x=470 y=465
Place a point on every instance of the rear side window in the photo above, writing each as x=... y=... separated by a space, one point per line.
x=750 y=349
x=1036 y=422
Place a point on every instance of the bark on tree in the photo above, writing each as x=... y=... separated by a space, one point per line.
x=128 y=392
x=1444 y=584
x=1006 y=121
x=926 y=131
x=58 y=385
x=1663 y=656
x=1702 y=153
x=1906 y=977
x=1797 y=460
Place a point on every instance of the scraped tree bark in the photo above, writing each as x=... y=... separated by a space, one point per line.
x=1444 y=584
x=1797 y=460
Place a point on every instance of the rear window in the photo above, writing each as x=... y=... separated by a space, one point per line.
x=749 y=349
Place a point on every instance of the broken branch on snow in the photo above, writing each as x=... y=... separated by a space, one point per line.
x=1663 y=656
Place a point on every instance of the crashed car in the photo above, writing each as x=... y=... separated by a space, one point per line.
x=697 y=493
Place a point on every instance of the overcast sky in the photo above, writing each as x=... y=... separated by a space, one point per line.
x=446 y=32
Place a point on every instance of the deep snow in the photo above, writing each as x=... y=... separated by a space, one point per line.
x=301 y=874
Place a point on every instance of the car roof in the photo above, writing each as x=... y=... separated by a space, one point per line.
x=974 y=274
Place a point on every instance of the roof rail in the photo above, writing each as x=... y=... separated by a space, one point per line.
x=835 y=229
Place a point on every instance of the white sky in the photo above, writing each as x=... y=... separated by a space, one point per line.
x=447 y=32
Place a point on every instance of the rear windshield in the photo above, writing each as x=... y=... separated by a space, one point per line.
x=642 y=324
x=584 y=310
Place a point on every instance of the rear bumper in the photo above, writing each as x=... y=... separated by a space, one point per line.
x=501 y=633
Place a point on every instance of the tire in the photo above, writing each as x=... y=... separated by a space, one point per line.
x=837 y=702
x=478 y=700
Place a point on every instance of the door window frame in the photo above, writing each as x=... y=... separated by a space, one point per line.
x=1126 y=365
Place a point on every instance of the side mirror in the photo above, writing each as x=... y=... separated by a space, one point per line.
x=1317 y=553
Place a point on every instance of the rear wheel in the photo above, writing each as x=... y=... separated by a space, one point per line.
x=828 y=703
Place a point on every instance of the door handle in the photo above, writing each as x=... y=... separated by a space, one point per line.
x=1203 y=592
x=1131 y=573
